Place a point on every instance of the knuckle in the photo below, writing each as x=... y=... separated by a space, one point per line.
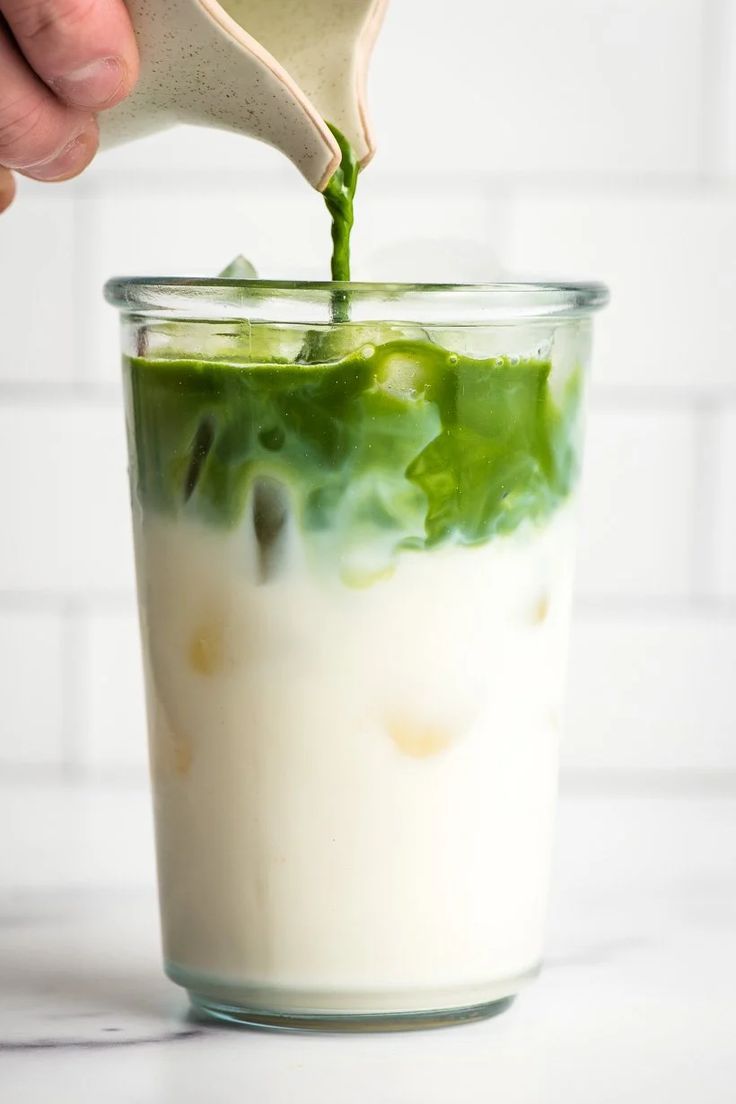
x=20 y=123
x=40 y=19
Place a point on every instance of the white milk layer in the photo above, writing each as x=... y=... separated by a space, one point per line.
x=354 y=787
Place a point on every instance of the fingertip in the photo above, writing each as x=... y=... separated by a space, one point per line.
x=73 y=159
x=7 y=189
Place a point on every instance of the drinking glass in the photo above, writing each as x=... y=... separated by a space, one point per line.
x=354 y=515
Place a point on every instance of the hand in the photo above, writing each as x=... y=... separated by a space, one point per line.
x=61 y=61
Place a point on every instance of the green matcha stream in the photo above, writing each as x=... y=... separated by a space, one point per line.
x=339 y=195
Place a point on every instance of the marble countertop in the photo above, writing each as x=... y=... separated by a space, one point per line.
x=635 y=1004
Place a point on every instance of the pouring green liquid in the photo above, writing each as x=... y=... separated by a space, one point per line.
x=339 y=196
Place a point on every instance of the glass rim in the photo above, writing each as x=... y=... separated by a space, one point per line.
x=309 y=301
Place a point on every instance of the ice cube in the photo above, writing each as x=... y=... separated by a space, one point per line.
x=240 y=268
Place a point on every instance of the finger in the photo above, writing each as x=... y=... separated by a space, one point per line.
x=71 y=161
x=7 y=189
x=85 y=50
x=38 y=135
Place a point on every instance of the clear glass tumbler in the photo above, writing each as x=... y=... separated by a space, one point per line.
x=354 y=520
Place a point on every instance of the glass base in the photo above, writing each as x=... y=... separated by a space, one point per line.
x=210 y=1009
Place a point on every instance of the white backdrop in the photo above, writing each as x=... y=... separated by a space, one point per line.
x=587 y=138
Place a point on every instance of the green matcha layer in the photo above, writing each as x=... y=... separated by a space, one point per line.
x=395 y=444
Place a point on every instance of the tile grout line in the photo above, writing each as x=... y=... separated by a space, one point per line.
x=226 y=181
x=497 y=199
x=60 y=602
x=82 y=263
x=102 y=779
x=648 y=397
x=78 y=221
x=72 y=669
x=60 y=395
x=627 y=607
x=714 y=87
x=650 y=782
x=703 y=508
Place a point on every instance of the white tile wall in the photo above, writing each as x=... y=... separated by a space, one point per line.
x=595 y=137
x=651 y=692
x=588 y=86
x=64 y=499
x=724 y=531
x=719 y=88
x=667 y=256
x=37 y=296
x=32 y=657
x=637 y=504
x=113 y=726
x=416 y=232
x=728 y=69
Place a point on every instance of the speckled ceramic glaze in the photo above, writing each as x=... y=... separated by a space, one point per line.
x=270 y=69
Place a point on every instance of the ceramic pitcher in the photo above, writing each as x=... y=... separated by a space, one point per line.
x=270 y=69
